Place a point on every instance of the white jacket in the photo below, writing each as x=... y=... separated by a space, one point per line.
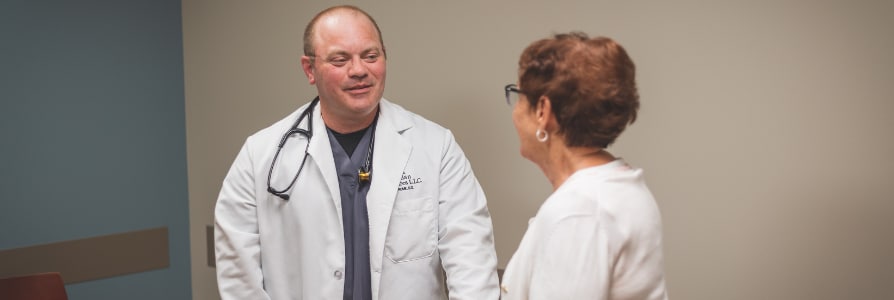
x=597 y=237
x=427 y=216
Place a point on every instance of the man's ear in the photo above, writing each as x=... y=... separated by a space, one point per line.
x=308 y=66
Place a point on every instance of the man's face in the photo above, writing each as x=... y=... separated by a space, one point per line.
x=349 y=65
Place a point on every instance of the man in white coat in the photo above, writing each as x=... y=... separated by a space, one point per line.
x=379 y=203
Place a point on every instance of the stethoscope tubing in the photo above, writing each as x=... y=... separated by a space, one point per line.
x=306 y=114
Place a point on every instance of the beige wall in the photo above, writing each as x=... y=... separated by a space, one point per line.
x=765 y=128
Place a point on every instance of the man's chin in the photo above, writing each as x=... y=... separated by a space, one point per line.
x=367 y=97
x=364 y=102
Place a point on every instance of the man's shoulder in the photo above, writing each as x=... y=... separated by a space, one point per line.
x=404 y=119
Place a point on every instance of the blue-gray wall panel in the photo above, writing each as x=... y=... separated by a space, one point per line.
x=92 y=131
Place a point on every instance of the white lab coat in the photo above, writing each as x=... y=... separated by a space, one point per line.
x=427 y=216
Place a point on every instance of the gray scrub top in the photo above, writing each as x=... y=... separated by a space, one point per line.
x=355 y=218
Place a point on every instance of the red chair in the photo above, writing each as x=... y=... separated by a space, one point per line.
x=42 y=286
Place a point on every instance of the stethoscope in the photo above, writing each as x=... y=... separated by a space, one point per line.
x=307 y=133
x=363 y=174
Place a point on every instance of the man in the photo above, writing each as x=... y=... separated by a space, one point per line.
x=379 y=203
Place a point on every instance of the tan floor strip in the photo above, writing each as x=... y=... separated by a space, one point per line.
x=91 y=258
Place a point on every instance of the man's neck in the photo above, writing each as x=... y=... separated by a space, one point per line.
x=348 y=123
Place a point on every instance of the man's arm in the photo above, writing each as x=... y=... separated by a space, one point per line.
x=465 y=237
x=236 y=239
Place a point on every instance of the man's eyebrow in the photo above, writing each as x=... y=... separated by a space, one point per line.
x=337 y=53
x=372 y=49
x=343 y=52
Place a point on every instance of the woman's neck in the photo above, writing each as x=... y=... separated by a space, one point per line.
x=563 y=161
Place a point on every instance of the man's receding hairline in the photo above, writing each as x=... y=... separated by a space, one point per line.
x=311 y=29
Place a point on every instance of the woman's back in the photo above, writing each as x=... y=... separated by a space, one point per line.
x=598 y=236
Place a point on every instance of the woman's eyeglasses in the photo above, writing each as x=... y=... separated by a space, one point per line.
x=512 y=92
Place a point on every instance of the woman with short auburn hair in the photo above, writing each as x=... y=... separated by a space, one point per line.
x=598 y=236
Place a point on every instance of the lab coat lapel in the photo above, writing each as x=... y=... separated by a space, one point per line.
x=390 y=156
x=321 y=152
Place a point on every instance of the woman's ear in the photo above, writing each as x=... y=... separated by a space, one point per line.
x=544 y=112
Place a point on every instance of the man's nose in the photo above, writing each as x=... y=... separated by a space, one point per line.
x=357 y=68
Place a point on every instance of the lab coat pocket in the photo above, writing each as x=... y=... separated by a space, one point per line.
x=411 y=232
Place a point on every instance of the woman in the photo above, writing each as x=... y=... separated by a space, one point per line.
x=598 y=236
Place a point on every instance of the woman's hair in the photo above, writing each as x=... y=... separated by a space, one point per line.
x=590 y=84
